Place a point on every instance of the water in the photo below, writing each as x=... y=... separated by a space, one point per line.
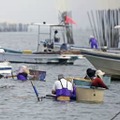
x=18 y=100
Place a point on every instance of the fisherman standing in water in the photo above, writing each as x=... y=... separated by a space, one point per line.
x=23 y=73
x=62 y=89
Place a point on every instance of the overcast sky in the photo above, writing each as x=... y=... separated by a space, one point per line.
x=28 y=11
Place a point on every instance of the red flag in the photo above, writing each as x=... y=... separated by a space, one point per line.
x=69 y=20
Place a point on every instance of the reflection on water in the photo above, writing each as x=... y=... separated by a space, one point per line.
x=18 y=100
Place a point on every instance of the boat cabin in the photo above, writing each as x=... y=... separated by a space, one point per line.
x=53 y=37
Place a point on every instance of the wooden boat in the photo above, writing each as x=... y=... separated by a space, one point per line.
x=86 y=93
x=87 y=82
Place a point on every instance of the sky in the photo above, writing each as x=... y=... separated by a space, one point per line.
x=28 y=11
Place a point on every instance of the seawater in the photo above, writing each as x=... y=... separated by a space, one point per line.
x=18 y=100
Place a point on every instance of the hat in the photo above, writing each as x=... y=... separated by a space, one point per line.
x=99 y=73
x=56 y=31
x=90 y=72
x=91 y=36
x=60 y=76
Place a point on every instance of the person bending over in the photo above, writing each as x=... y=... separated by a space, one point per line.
x=97 y=81
x=23 y=73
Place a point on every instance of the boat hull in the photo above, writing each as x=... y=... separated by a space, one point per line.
x=90 y=94
x=38 y=58
x=87 y=82
x=107 y=62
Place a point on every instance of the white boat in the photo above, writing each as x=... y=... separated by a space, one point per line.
x=107 y=61
x=38 y=58
x=46 y=52
x=5 y=68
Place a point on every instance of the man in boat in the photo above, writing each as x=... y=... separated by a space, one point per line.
x=96 y=78
x=97 y=81
x=93 y=42
x=23 y=73
x=56 y=38
x=63 y=47
x=90 y=73
x=48 y=46
x=62 y=89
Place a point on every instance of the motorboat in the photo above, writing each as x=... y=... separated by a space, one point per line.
x=105 y=60
x=47 y=51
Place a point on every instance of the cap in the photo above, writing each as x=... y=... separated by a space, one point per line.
x=56 y=31
x=60 y=76
x=90 y=72
x=99 y=73
x=91 y=36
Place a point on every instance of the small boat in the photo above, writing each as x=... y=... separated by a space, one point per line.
x=86 y=93
x=87 y=82
x=5 y=68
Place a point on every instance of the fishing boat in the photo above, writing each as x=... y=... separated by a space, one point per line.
x=48 y=50
x=106 y=30
x=84 y=91
x=91 y=94
x=38 y=58
x=107 y=61
x=87 y=82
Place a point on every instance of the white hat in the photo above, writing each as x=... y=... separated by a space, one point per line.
x=99 y=73
x=91 y=36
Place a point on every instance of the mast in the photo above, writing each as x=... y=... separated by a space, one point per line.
x=38 y=38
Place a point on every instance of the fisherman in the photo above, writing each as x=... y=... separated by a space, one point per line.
x=56 y=38
x=93 y=42
x=62 y=89
x=96 y=77
x=23 y=73
x=90 y=73
x=97 y=81
x=73 y=95
x=63 y=47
